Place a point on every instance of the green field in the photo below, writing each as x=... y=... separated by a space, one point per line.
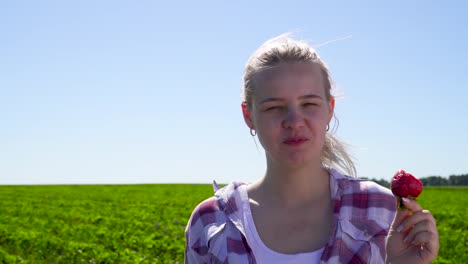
x=145 y=223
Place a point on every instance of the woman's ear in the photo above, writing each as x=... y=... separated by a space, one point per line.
x=247 y=113
x=331 y=108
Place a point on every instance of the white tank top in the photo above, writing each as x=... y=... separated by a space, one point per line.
x=262 y=253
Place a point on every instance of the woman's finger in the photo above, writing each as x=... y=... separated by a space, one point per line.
x=411 y=204
x=409 y=222
x=428 y=243
x=400 y=216
x=423 y=226
x=423 y=239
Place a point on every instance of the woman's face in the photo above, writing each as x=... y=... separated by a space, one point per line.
x=290 y=113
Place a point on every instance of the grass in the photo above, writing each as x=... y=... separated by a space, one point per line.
x=145 y=223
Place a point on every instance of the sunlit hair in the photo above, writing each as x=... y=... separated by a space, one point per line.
x=284 y=49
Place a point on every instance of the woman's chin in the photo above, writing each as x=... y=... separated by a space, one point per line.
x=297 y=161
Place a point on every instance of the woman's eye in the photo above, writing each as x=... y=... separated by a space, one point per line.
x=272 y=108
x=310 y=104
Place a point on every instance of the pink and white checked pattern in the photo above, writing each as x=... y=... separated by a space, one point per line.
x=363 y=212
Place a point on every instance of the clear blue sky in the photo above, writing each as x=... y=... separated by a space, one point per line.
x=149 y=91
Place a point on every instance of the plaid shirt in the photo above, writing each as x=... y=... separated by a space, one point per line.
x=362 y=212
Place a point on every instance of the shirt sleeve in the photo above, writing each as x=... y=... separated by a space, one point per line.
x=191 y=257
x=197 y=232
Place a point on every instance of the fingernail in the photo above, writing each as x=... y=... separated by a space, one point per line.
x=399 y=228
x=405 y=239
x=405 y=200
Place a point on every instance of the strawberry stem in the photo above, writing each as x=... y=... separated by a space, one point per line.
x=400 y=204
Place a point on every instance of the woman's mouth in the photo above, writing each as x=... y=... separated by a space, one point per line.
x=295 y=141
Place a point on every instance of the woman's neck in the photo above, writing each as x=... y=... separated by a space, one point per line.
x=289 y=188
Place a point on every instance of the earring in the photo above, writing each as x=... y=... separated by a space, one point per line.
x=254 y=133
x=328 y=127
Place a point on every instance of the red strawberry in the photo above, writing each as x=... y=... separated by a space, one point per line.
x=406 y=185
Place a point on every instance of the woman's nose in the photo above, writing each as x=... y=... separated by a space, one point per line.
x=293 y=119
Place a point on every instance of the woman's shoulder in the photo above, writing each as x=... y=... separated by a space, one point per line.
x=359 y=185
x=215 y=210
x=212 y=224
x=362 y=194
x=377 y=197
x=369 y=187
x=205 y=211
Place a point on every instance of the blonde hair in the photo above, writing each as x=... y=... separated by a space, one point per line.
x=283 y=49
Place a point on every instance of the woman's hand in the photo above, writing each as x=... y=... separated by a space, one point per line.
x=413 y=236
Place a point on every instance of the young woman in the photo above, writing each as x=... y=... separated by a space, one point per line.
x=304 y=209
